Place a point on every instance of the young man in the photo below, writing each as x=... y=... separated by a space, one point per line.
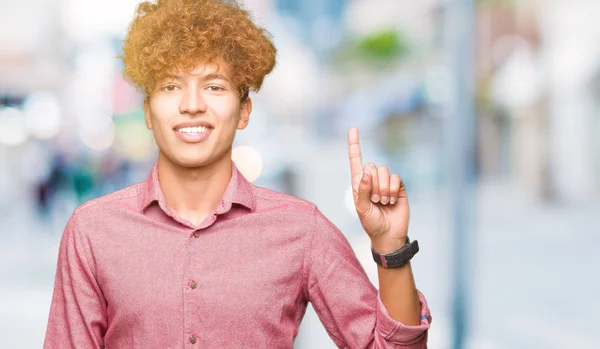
x=196 y=256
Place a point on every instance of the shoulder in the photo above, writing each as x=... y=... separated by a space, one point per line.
x=294 y=209
x=275 y=201
x=269 y=199
x=126 y=198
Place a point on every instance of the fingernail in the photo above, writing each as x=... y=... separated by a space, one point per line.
x=384 y=200
x=375 y=198
x=392 y=200
x=365 y=176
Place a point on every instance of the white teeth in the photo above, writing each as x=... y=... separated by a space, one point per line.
x=193 y=130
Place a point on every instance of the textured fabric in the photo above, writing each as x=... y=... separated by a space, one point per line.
x=131 y=274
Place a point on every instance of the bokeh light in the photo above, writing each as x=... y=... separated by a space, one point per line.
x=13 y=130
x=98 y=133
x=42 y=115
x=248 y=161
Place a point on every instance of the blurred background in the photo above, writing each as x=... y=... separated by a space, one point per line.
x=488 y=110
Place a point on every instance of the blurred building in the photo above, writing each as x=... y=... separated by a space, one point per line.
x=535 y=68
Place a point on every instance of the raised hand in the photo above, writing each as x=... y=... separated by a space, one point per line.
x=380 y=200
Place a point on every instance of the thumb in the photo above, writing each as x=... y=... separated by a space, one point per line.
x=363 y=201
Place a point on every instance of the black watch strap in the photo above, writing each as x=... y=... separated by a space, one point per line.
x=399 y=257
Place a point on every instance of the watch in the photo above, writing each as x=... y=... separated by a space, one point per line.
x=399 y=257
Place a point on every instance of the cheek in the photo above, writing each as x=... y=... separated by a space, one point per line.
x=227 y=113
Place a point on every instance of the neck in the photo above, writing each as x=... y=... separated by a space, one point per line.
x=193 y=193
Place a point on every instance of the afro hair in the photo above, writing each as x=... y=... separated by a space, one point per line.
x=171 y=35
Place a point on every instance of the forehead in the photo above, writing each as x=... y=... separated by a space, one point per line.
x=203 y=67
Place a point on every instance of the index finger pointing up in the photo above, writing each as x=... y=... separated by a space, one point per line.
x=356 y=165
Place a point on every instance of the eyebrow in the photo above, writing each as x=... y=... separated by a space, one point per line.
x=207 y=77
x=215 y=76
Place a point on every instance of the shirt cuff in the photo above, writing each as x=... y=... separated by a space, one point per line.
x=397 y=332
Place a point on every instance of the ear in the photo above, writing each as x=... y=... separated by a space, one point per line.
x=245 y=111
x=147 y=114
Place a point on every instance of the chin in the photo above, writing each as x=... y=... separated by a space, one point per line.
x=192 y=159
x=193 y=162
x=197 y=161
x=187 y=161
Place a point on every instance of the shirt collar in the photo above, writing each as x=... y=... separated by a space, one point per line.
x=238 y=191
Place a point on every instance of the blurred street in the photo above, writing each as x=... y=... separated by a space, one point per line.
x=502 y=97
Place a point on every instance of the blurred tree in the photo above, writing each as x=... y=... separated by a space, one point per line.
x=379 y=48
x=385 y=45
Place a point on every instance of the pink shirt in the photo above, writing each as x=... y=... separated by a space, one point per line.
x=131 y=274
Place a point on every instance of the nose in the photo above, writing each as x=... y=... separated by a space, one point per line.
x=192 y=102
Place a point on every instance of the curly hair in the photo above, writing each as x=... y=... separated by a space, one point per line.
x=171 y=35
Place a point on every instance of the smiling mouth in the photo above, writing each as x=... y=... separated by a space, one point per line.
x=193 y=134
x=193 y=130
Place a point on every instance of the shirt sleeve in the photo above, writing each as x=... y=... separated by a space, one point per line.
x=78 y=311
x=346 y=301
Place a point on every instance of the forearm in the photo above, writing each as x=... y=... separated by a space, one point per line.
x=397 y=288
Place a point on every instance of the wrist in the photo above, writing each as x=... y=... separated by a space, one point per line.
x=388 y=245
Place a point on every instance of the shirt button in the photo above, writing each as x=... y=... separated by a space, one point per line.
x=193 y=339
x=196 y=234
x=193 y=284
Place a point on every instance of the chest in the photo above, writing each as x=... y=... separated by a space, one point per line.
x=211 y=278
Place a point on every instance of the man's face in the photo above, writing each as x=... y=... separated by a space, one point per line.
x=194 y=114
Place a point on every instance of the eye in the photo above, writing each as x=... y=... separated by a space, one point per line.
x=214 y=88
x=169 y=88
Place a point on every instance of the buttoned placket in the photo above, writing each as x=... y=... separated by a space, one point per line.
x=191 y=286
